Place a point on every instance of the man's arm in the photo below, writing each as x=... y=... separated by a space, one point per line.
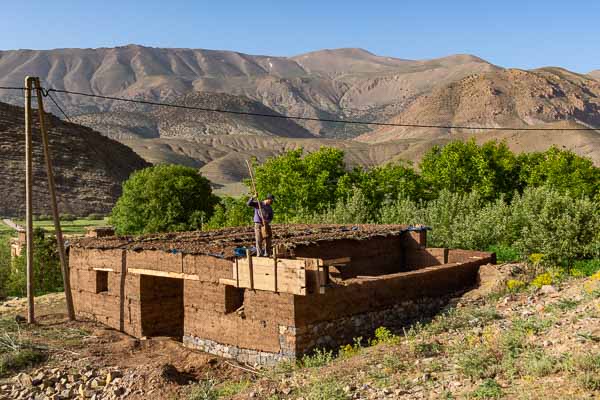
x=252 y=203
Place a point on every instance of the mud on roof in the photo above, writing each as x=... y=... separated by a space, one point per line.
x=222 y=242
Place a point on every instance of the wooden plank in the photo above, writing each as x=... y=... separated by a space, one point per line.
x=104 y=269
x=291 y=275
x=164 y=274
x=275 y=269
x=229 y=282
x=336 y=261
x=250 y=267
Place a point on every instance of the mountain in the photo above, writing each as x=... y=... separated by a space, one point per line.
x=346 y=84
x=504 y=98
x=89 y=168
x=595 y=74
x=168 y=122
x=342 y=83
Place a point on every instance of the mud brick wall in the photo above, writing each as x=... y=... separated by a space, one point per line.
x=364 y=295
x=377 y=256
x=119 y=306
x=255 y=327
x=333 y=334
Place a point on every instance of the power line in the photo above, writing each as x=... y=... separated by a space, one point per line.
x=154 y=103
x=46 y=92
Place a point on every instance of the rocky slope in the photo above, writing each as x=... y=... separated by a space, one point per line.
x=88 y=167
x=154 y=122
x=506 y=98
x=595 y=74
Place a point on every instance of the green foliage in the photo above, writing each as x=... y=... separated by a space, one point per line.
x=325 y=389
x=319 y=358
x=95 y=216
x=464 y=167
x=205 y=390
x=561 y=170
x=163 y=198
x=65 y=217
x=301 y=183
x=47 y=275
x=230 y=211
x=504 y=253
x=5 y=264
x=489 y=389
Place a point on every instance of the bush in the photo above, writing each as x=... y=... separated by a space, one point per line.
x=47 y=274
x=66 y=217
x=95 y=216
x=163 y=198
x=230 y=211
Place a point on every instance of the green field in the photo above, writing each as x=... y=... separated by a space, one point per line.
x=69 y=227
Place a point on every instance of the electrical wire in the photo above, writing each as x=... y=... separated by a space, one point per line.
x=46 y=93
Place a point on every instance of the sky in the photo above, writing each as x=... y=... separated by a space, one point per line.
x=510 y=33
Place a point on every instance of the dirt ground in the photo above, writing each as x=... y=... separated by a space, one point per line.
x=155 y=368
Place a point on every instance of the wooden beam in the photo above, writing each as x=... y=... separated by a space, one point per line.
x=163 y=274
x=291 y=275
x=250 y=267
x=275 y=269
x=104 y=269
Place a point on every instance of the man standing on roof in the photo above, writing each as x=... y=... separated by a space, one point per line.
x=263 y=215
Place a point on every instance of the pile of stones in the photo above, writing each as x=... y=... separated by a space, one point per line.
x=57 y=384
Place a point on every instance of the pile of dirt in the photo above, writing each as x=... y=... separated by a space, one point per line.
x=222 y=243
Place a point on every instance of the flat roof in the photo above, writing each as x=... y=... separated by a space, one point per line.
x=222 y=242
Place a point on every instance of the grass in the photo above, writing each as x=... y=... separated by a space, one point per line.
x=328 y=388
x=68 y=227
x=17 y=353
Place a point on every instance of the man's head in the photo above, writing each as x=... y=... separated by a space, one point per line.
x=269 y=199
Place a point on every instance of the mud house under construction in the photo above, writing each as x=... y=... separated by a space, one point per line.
x=326 y=285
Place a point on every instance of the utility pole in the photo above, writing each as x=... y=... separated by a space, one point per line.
x=28 y=199
x=52 y=190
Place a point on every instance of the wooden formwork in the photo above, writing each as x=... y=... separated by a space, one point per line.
x=299 y=276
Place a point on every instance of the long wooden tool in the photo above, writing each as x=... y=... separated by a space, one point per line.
x=262 y=219
x=52 y=190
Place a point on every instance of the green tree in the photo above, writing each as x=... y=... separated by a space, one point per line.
x=47 y=276
x=380 y=184
x=562 y=170
x=163 y=198
x=300 y=183
x=463 y=167
x=230 y=211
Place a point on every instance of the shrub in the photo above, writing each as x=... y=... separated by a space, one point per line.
x=95 y=216
x=66 y=217
x=47 y=274
x=489 y=389
x=205 y=390
x=515 y=285
x=318 y=358
x=325 y=389
x=163 y=198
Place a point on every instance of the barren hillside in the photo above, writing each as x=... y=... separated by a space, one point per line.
x=334 y=83
x=595 y=74
x=506 y=98
x=153 y=122
x=89 y=167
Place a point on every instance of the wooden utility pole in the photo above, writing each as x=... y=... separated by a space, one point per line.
x=28 y=199
x=52 y=190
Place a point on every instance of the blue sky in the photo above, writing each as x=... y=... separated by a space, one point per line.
x=510 y=33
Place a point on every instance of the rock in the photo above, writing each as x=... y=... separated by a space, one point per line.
x=24 y=379
x=118 y=391
x=548 y=289
x=491 y=278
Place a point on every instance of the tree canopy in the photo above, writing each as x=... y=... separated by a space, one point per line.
x=163 y=198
